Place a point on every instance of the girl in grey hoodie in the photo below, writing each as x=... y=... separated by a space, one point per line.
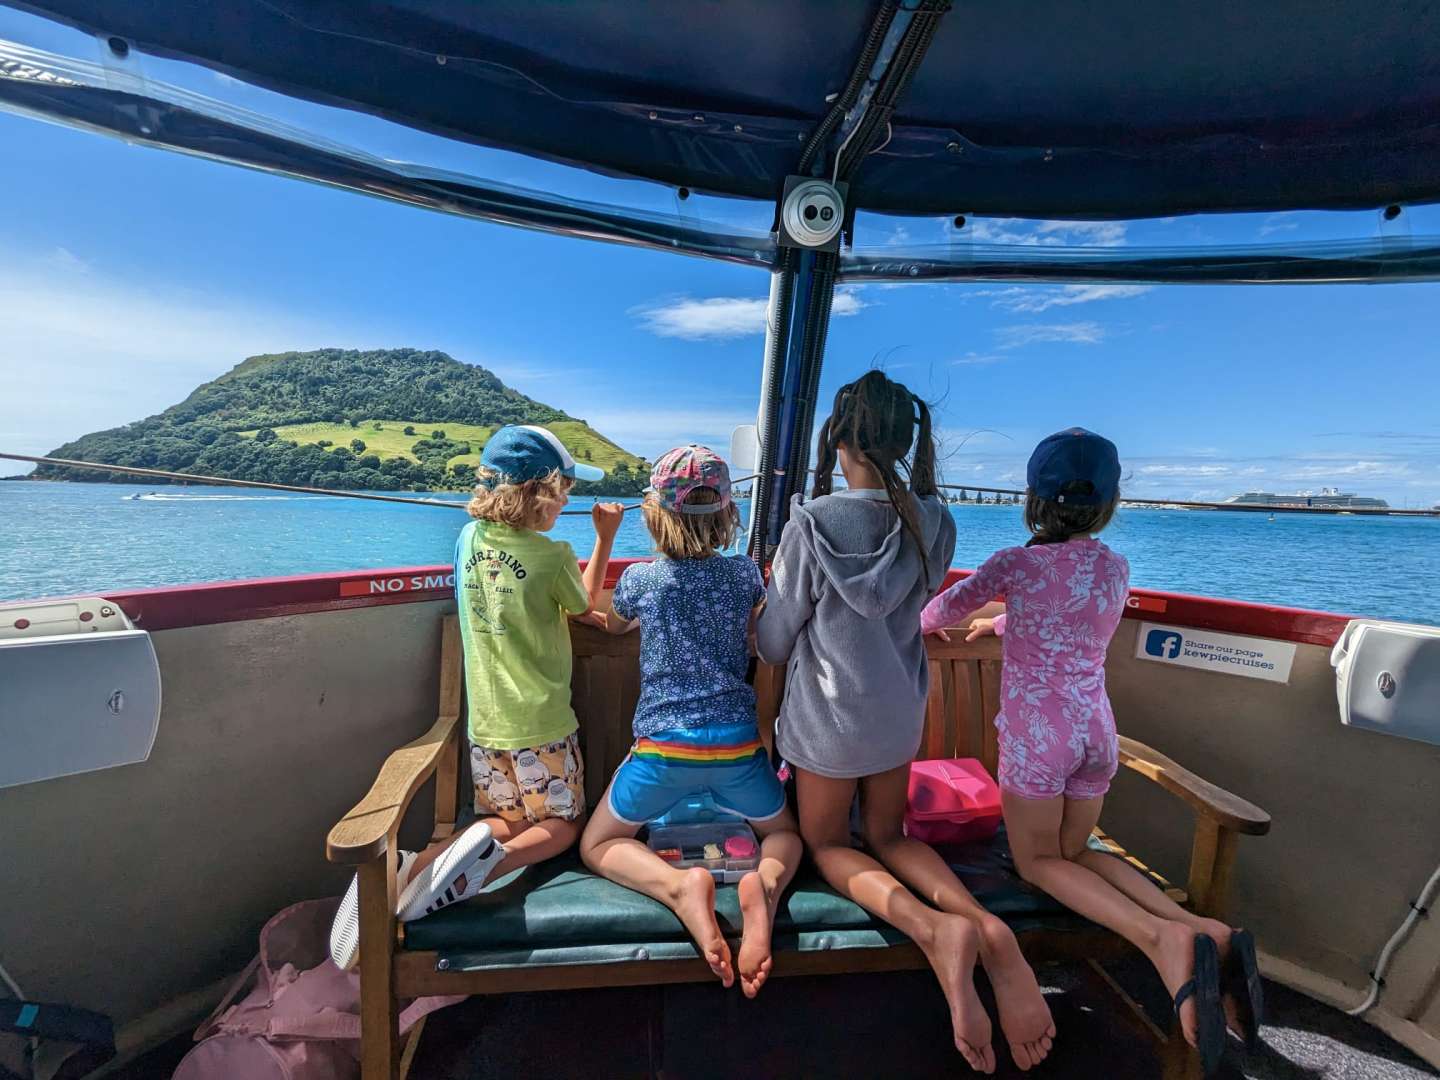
x=851 y=575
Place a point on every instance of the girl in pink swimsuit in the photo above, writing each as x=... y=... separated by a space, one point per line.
x=1064 y=593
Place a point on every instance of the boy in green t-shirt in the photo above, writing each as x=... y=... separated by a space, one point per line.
x=515 y=589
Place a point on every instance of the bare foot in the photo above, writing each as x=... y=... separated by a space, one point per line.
x=1174 y=959
x=754 y=960
x=695 y=905
x=1024 y=1016
x=952 y=953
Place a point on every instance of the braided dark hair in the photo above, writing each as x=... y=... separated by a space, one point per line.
x=877 y=418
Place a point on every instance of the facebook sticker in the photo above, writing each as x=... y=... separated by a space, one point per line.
x=1207 y=650
x=1163 y=643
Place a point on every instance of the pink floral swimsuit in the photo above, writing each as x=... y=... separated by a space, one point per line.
x=1062 y=605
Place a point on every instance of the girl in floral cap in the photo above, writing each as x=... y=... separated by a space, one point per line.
x=695 y=729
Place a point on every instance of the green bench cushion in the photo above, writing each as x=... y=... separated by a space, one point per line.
x=560 y=913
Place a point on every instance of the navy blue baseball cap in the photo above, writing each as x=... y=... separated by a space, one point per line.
x=1071 y=459
x=521 y=452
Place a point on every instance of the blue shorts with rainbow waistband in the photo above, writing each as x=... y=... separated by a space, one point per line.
x=728 y=761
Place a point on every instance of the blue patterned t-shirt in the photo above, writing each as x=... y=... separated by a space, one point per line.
x=694 y=614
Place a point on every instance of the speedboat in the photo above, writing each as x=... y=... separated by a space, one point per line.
x=184 y=752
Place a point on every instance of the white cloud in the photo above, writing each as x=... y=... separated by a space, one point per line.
x=1083 y=233
x=999 y=297
x=1183 y=470
x=1300 y=472
x=848 y=301
x=1275 y=223
x=998 y=231
x=1035 y=299
x=1078 y=333
x=714 y=319
x=719 y=318
x=1044 y=233
x=1354 y=468
x=978 y=358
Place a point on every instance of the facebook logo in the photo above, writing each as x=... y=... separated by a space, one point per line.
x=1164 y=644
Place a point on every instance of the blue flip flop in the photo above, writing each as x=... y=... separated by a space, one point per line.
x=1241 y=981
x=1204 y=987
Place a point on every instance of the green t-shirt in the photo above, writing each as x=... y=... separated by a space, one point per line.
x=514 y=588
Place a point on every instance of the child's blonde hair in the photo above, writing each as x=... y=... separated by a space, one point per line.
x=521 y=506
x=690 y=536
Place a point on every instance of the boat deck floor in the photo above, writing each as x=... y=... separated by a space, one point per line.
x=877 y=1025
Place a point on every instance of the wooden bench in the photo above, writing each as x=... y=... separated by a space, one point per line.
x=965 y=681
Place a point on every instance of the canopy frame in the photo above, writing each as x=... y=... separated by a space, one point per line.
x=145 y=112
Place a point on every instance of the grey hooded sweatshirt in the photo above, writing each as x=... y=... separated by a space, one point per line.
x=843 y=609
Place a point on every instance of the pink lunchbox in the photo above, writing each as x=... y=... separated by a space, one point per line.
x=952 y=801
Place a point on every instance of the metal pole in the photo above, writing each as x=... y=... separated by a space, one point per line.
x=893 y=49
x=801 y=305
x=771 y=372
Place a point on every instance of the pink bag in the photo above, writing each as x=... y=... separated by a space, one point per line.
x=300 y=1019
x=951 y=801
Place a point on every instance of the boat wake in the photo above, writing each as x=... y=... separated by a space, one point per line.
x=155 y=496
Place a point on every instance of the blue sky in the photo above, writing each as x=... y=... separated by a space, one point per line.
x=128 y=276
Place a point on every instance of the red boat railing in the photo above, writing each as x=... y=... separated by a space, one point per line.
x=175 y=606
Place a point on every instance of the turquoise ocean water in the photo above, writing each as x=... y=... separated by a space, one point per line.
x=59 y=539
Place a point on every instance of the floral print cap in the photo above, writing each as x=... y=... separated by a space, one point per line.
x=683 y=470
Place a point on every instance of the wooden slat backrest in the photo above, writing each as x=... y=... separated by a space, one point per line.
x=605 y=686
x=964 y=698
x=960 y=714
x=959 y=720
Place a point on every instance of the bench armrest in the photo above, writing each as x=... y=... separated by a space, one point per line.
x=1220 y=819
x=1226 y=810
x=361 y=834
x=365 y=832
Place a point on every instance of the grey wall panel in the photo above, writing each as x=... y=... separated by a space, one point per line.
x=125 y=888
x=1355 y=832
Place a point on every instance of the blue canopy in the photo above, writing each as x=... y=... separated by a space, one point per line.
x=1040 y=109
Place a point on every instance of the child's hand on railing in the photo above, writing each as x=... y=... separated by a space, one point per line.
x=596 y=619
x=606 y=517
x=980 y=628
x=938 y=632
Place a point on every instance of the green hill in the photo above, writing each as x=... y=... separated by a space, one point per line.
x=386 y=419
x=387 y=438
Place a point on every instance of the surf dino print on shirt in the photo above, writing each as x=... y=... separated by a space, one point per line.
x=499 y=578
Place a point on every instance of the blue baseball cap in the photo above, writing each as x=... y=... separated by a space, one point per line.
x=1075 y=457
x=521 y=452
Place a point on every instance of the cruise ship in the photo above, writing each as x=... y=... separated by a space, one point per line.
x=1326 y=499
